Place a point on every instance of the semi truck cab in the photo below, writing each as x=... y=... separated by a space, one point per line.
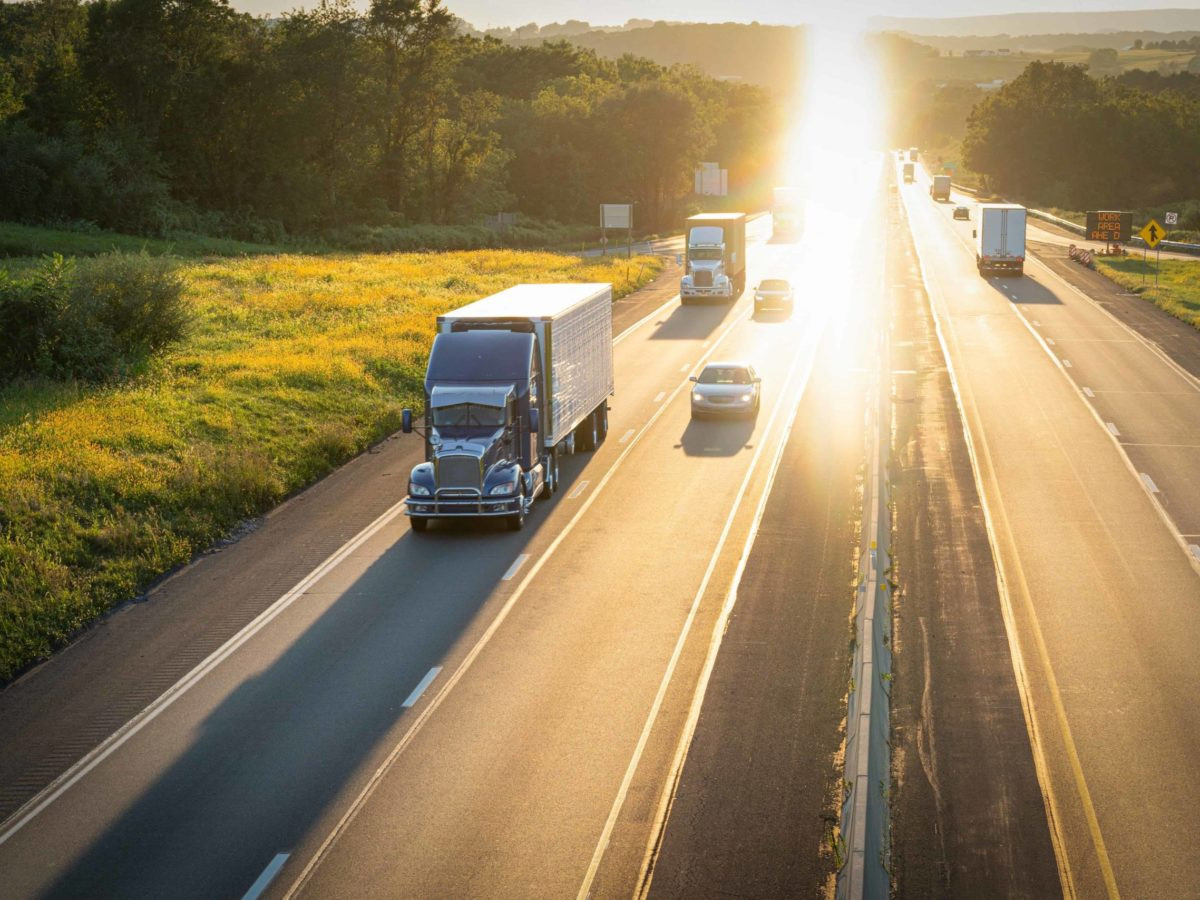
x=716 y=257
x=481 y=423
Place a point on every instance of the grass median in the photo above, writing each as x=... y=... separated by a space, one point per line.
x=1178 y=290
x=294 y=365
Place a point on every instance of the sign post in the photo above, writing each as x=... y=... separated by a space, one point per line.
x=1152 y=233
x=617 y=216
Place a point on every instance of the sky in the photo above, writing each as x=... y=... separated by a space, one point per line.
x=486 y=13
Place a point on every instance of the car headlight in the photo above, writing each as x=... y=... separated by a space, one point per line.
x=506 y=488
x=417 y=490
x=697 y=397
x=745 y=398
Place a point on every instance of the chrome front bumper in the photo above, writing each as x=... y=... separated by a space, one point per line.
x=467 y=507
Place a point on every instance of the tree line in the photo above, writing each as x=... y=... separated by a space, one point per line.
x=160 y=116
x=1058 y=137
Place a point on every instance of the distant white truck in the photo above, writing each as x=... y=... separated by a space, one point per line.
x=939 y=190
x=1000 y=239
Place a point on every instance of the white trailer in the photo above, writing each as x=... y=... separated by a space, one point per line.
x=573 y=326
x=1000 y=238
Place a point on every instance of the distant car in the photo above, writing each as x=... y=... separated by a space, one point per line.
x=726 y=388
x=962 y=212
x=773 y=292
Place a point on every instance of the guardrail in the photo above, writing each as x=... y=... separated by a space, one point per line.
x=1076 y=228
x=864 y=847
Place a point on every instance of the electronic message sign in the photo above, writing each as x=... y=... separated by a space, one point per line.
x=1109 y=226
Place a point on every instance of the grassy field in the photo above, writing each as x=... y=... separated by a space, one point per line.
x=1178 y=290
x=295 y=364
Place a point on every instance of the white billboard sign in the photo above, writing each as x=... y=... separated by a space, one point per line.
x=616 y=215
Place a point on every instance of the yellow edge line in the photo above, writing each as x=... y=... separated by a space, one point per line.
x=965 y=399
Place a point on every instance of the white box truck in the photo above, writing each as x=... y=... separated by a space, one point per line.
x=1000 y=239
x=513 y=381
x=939 y=189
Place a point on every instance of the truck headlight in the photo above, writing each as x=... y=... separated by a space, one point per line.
x=745 y=398
x=417 y=490
x=506 y=488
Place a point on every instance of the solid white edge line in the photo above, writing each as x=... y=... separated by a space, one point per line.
x=515 y=567
x=411 y=699
x=448 y=685
x=1053 y=818
x=268 y=875
x=666 y=798
x=36 y=804
x=643 y=320
x=619 y=802
x=1187 y=376
x=159 y=705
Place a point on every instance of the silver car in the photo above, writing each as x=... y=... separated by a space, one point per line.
x=726 y=389
x=773 y=292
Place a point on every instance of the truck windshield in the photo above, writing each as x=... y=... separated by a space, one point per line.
x=464 y=415
x=706 y=254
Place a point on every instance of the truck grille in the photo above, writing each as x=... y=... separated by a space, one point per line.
x=702 y=278
x=459 y=472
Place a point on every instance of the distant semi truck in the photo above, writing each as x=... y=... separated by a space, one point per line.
x=909 y=172
x=912 y=154
x=787 y=214
x=514 y=381
x=716 y=257
x=940 y=189
x=1000 y=239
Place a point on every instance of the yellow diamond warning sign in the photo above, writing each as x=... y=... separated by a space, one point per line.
x=1152 y=233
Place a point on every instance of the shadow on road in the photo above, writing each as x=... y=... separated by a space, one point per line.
x=1028 y=291
x=696 y=321
x=717 y=437
x=264 y=767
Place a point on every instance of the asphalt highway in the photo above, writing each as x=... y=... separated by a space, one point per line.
x=1086 y=437
x=465 y=712
x=643 y=691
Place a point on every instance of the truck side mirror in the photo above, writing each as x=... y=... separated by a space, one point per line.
x=974 y=233
x=406 y=421
x=534 y=420
x=679 y=259
x=692 y=378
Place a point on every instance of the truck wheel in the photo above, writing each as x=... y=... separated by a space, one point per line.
x=516 y=521
x=551 y=474
x=585 y=434
x=418 y=525
x=601 y=422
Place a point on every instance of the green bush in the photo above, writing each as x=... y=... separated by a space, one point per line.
x=89 y=319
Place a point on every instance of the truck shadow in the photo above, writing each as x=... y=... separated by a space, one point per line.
x=287 y=745
x=695 y=321
x=717 y=437
x=1029 y=292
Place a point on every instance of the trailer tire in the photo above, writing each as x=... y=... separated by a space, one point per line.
x=585 y=434
x=601 y=422
x=551 y=473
